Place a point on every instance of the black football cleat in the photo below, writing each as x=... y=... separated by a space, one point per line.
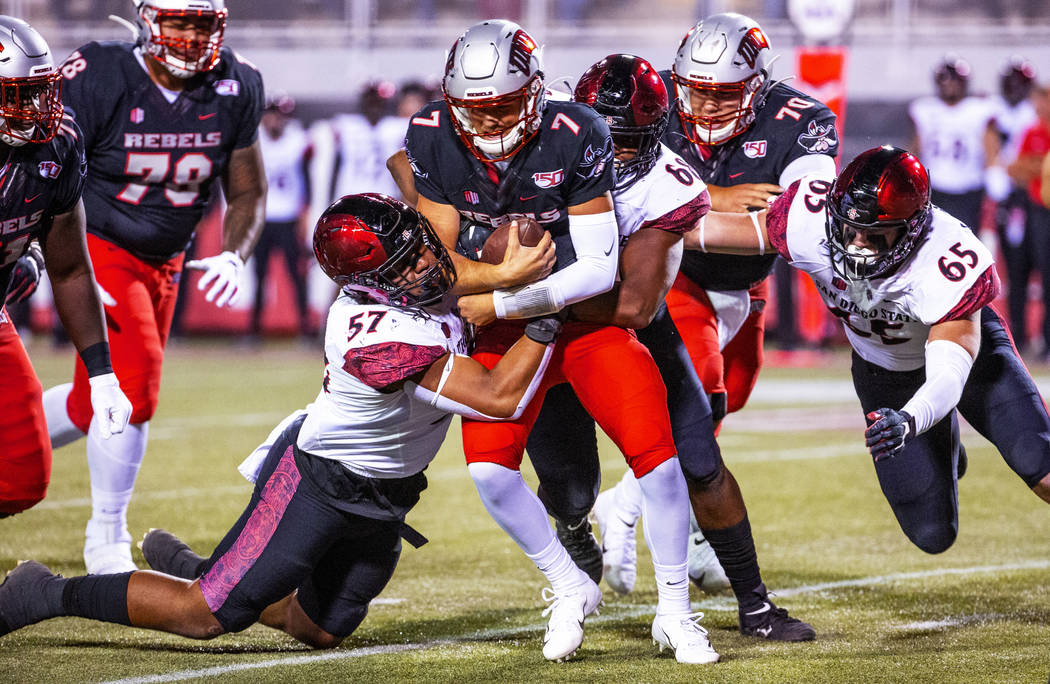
x=24 y=599
x=164 y=552
x=583 y=548
x=771 y=622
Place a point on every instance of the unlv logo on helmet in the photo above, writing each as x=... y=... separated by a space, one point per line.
x=753 y=41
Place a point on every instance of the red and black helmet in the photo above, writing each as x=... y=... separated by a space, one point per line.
x=366 y=243
x=630 y=94
x=883 y=191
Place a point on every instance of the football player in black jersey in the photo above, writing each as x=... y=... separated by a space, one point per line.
x=748 y=137
x=43 y=224
x=163 y=118
x=495 y=150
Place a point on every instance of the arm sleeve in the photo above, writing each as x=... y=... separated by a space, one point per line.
x=777 y=220
x=594 y=238
x=947 y=368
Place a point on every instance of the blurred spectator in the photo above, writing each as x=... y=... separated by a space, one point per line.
x=412 y=97
x=1013 y=113
x=365 y=140
x=286 y=153
x=500 y=9
x=1026 y=170
x=949 y=136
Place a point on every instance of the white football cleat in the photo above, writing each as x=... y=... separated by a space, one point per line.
x=567 y=613
x=704 y=569
x=619 y=551
x=107 y=550
x=684 y=635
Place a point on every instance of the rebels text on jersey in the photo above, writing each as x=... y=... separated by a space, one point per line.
x=151 y=162
x=37 y=183
x=949 y=276
x=568 y=162
x=362 y=417
x=669 y=197
x=789 y=125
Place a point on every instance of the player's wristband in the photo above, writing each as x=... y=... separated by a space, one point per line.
x=96 y=359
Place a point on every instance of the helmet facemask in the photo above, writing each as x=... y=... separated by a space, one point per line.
x=183 y=57
x=30 y=109
x=500 y=143
x=704 y=129
x=891 y=243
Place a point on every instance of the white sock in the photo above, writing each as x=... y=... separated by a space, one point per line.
x=114 y=464
x=665 y=521
x=557 y=566
x=627 y=499
x=59 y=427
x=517 y=510
x=672 y=588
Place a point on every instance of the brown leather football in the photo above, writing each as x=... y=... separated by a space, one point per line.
x=529 y=234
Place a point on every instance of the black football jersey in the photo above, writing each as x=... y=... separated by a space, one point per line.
x=568 y=162
x=790 y=125
x=37 y=183
x=151 y=163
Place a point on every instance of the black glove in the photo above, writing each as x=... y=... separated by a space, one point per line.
x=26 y=274
x=545 y=329
x=888 y=431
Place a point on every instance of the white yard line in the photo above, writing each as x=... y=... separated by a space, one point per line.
x=709 y=604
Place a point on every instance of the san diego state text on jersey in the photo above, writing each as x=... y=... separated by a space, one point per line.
x=789 y=125
x=568 y=162
x=37 y=183
x=151 y=161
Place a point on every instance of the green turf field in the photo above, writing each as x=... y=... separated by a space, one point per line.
x=466 y=607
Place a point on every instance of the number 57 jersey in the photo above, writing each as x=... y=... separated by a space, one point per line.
x=152 y=159
x=948 y=276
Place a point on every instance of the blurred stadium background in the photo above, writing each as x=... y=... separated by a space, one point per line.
x=324 y=52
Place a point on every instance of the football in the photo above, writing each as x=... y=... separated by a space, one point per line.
x=529 y=234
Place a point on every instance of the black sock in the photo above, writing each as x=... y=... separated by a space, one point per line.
x=99 y=597
x=735 y=548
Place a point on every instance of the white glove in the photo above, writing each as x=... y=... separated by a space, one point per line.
x=225 y=270
x=111 y=407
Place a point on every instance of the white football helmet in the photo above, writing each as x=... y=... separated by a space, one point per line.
x=183 y=57
x=494 y=64
x=30 y=100
x=725 y=57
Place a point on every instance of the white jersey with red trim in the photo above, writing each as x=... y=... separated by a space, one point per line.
x=951 y=139
x=370 y=347
x=670 y=184
x=887 y=320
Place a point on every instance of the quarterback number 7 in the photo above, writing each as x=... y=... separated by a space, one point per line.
x=152 y=169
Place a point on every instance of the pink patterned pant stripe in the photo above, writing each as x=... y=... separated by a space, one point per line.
x=219 y=581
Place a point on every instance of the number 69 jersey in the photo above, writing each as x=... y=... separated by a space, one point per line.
x=670 y=197
x=950 y=275
x=151 y=161
x=362 y=417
